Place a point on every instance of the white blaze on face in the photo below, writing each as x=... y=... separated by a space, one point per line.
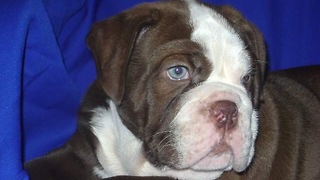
x=200 y=143
x=221 y=44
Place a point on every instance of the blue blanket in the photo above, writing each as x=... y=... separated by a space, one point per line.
x=45 y=66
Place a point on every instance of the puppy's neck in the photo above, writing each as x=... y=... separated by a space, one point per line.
x=118 y=150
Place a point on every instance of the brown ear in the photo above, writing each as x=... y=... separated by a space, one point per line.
x=255 y=45
x=111 y=42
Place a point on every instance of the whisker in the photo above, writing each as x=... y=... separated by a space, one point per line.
x=159 y=144
x=170 y=143
x=161 y=132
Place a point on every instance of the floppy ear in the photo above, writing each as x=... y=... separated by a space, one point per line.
x=255 y=45
x=111 y=42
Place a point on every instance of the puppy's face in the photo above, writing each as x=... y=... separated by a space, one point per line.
x=185 y=77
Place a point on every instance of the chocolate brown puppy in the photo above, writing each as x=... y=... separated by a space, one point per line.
x=181 y=93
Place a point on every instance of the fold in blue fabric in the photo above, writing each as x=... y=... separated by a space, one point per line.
x=37 y=86
x=45 y=66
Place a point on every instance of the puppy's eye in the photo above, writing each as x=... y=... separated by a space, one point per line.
x=246 y=79
x=178 y=73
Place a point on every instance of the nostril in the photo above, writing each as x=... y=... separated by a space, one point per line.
x=225 y=113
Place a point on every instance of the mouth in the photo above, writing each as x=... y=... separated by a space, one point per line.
x=222 y=157
x=218 y=159
x=214 y=162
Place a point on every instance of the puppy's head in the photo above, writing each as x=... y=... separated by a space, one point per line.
x=186 y=78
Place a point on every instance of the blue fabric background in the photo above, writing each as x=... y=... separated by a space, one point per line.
x=45 y=66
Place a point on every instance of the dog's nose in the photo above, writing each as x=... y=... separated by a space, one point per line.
x=225 y=113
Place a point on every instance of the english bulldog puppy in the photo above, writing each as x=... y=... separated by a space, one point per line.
x=179 y=95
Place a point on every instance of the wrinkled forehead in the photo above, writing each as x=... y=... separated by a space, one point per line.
x=203 y=26
x=221 y=44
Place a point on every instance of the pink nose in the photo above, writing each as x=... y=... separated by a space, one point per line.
x=225 y=113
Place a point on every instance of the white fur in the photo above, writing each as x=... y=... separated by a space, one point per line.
x=222 y=45
x=117 y=145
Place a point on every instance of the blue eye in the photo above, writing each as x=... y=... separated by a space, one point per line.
x=178 y=73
